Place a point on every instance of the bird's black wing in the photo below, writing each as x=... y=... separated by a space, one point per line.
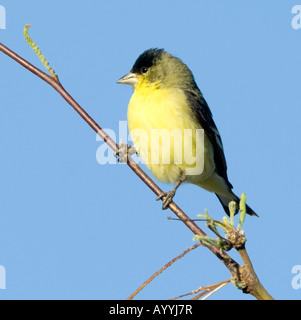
x=203 y=114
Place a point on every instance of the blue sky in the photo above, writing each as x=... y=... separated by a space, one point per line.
x=71 y=228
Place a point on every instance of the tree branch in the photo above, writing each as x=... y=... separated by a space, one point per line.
x=232 y=265
x=254 y=287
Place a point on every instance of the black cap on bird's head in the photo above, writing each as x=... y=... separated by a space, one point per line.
x=146 y=60
x=156 y=66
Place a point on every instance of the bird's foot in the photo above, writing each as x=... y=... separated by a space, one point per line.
x=124 y=152
x=166 y=198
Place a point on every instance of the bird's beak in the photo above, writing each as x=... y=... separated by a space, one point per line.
x=130 y=78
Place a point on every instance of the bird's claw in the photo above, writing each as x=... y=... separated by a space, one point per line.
x=166 y=198
x=124 y=151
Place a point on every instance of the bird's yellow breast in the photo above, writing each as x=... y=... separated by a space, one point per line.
x=160 y=120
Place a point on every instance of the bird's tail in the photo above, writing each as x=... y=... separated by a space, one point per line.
x=225 y=203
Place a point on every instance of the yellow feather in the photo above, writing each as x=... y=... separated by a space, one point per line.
x=154 y=110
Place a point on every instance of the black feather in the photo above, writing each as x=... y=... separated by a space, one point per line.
x=203 y=114
x=147 y=59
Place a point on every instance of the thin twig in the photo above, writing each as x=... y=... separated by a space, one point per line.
x=213 y=291
x=38 y=52
x=145 y=283
x=203 y=290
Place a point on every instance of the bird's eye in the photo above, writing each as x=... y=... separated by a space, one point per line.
x=144 y=69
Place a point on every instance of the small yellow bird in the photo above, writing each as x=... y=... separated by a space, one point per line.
x=172 y=128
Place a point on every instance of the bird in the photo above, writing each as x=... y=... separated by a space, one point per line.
x=166 y=99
